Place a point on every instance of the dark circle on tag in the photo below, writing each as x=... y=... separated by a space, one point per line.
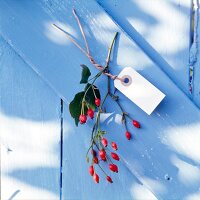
x=127 y=80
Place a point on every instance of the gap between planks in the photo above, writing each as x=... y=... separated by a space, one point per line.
x=61 y=146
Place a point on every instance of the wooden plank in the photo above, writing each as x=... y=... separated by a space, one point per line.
x=78 y=184
x=160 y=155
x=161 y=29
x=30 y=132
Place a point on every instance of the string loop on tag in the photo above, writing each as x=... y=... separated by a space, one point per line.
x=87 y=51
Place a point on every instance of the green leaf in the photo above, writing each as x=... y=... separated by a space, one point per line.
x=75 y=106
x=90 y=97
x=76 y=103
x=85 y=74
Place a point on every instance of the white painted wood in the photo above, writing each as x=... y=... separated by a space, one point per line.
x=161 y=29
x=30 y=132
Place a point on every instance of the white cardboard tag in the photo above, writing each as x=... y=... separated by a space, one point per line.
x=139 y=90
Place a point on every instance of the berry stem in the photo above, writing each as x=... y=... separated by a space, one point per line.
x=108 y=158
x=124 y=114
x=95 y=78
x=102 y=169
x=96 y=145
x=82 y=108
x=99 y=112
x=108 y=58
x=94 y=92
x=98 y=121
x=110 y=50
x=92 y=139
x=128 y=116
x=125 y=123
x=115 y=98
x=104 y=99
x=96 y=131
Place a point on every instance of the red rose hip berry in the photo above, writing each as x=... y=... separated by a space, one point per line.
x=115 y=156
x=113 y=168
x=128 y=135
x=90 y=113
x=136 y=124
x=114 y=146
x=96 y=178
x=104 y=142
x=97 y=102
x=82 y=119
x=116 y=168
x=91 y=170
x=95 y=160
x=109 y=179
x=102 y=154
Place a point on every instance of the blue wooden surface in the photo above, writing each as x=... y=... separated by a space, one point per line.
x=30 y=131
x=172 y=44
x=168 y=143
x=162 y=29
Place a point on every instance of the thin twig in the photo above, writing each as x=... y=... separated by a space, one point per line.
x=96 y=131
x=108 y=58
x=81 y=29
x=110 y=94
x=124 y=114
x=102 y=169
x=87 y=53
x=99 y=74
x=71 y=39
x=110 y=50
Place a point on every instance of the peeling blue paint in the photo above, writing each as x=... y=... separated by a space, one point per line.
x=194 y=44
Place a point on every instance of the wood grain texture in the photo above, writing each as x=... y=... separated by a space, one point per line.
x=30 y=132
x=160 y=154
x=161 y=29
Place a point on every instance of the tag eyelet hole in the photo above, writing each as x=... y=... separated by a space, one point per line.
x=126 y=80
